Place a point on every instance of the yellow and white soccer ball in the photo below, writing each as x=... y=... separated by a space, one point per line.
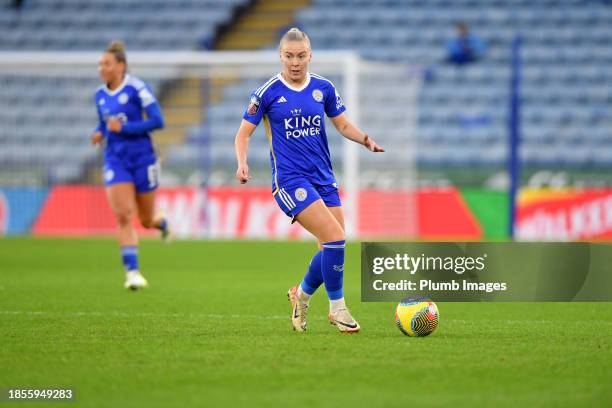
x=416 y=317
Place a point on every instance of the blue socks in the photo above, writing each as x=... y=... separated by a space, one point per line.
x=332 y=268
x=129 y=255
x=327 y=266
x=313 y=278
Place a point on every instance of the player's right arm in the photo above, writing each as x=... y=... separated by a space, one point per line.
x=251 y=118
x=98 y=134
x=242 y=147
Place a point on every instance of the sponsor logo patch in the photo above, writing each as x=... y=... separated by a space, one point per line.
x=338 y=101
x=253 y=106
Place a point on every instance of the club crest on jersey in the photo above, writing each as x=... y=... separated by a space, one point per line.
x=317 y=95
x=108 y=175
x=253 y=106
x=301 y=194
x=123 y=98
x=101 y=101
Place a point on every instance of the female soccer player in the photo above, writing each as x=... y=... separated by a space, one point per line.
x=292 y=105
x=131 y=168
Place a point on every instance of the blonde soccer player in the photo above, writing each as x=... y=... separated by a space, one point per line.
x=292 y=105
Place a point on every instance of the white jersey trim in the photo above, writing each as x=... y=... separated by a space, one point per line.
x=301 y=88
x=262 y=89
x=119 y=88
x=323 y=79
x=136 y=83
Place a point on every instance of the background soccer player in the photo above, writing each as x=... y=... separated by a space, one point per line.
x=131 y=169
x=292 y=105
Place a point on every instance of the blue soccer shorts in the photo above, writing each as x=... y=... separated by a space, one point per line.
x=144 y=177
x=294 y=198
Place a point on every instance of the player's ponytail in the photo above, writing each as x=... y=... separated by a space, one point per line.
x=117 y=48
x=294 y=34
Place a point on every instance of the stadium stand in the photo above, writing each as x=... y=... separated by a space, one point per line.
x=566 y=90
x=45 y=120
x=566 y=94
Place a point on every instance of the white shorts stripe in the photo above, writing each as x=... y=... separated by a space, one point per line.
x=289 y=198
x=282 y=197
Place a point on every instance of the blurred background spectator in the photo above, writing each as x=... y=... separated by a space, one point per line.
x=466 y=47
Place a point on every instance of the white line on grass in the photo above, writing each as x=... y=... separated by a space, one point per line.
x=124 y=314
x=225 y=316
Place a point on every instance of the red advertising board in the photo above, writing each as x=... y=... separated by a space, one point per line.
x=251 y=212
x=564 y=214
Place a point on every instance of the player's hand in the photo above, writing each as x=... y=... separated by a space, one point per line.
x=371 y=145
x=242 y=174
x=96 y=138
x=114 y=125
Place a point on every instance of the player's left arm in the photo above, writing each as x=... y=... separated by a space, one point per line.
x=334 y=109
x=352 y=132
x=155 y=118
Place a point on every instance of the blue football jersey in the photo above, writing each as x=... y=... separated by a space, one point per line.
x=133 y=144
x=295 y=127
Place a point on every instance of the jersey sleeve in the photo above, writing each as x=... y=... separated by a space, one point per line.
x=333 y=102
x=255 y=110
x=155 y=119
x=146 y=97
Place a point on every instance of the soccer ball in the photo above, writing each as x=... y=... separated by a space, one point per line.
x=416 y=317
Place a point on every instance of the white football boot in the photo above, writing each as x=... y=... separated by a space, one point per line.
x=343 y=320
x=299 y=308
x=134 y=281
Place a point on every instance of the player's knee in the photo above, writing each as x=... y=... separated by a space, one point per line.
x=124 y=217
x=147 y=222
x=333 y=235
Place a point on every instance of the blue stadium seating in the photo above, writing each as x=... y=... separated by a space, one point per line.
x=566 y=89
x=567 y=73
x=48 y=120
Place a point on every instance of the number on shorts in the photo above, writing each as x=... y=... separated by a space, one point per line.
x=153 y=175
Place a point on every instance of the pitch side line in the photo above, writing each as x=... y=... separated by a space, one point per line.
x=124 y=314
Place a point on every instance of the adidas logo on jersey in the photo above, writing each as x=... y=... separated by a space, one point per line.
x=281 y=99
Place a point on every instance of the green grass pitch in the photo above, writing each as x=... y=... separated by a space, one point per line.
x=213 y=330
